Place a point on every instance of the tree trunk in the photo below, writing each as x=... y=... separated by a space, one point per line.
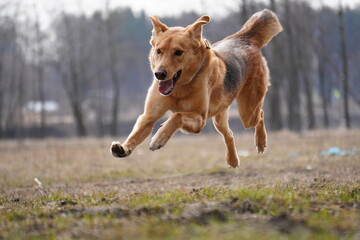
x=309 y=101
x=113 y=71
x=11 y=103
x=304 y=58
x=79 y=121
x=274 y=96
x=41 y=93
x=40 y=75
x=293 y=104
x=322 y=61
x=20 y=100
x=73 y=87
x=324 y=102
x=77 y=103
x=100 y=113
x=322 y=82
x=345 y=66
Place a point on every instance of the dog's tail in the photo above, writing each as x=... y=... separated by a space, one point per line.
x=260 y=28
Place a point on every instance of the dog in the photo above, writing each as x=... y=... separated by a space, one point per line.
x=196 y=81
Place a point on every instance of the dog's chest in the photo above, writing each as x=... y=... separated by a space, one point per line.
x=191 y=106
x=184 y=106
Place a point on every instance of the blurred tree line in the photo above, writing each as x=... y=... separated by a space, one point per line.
x=88 y=75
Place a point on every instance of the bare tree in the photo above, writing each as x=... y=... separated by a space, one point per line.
x=320 y=51
x=309 y=97
x=276 y=68
x=13 y=78
x=68 y=70
x=99 y=62
x=304 y=52
x=293 y=104
x=12 y=65
x=345 y=66
x=40 y=74
x=113 y=71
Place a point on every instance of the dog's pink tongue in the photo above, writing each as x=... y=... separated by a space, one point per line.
x=165 y=87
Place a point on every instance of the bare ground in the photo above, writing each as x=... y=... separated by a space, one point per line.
x=188 y=164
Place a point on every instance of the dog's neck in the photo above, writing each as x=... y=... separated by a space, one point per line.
x=207 y=47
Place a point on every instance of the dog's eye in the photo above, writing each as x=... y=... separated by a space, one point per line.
x=158 y=51
x=178 y=52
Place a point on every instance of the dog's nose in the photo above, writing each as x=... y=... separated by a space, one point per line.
x=160 y=74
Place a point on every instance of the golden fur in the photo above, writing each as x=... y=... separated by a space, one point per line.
x=201 y=83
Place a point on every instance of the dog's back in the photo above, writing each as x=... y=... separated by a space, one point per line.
x=236 y=49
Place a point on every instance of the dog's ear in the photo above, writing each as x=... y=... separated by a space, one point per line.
x=195 y=29
x=158 y=27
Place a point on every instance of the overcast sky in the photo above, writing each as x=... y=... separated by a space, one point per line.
x=215 y=8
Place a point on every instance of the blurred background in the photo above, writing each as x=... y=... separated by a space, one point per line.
x=80 y=67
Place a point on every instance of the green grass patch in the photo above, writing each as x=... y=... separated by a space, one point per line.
x=320 y=210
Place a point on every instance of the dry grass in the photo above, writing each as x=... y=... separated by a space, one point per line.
x=56 y=162
x=86 y=193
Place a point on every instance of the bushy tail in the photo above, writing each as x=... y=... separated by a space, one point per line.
x=260 y=28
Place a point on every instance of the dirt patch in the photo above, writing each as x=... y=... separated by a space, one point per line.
x=287 y=224
x=291 y=188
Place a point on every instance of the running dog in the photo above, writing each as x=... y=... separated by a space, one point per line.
x=196 y=81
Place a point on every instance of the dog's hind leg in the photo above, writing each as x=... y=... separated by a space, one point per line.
x=260 y=134
x=255 y=119
x=250 y=101
x=221 y=124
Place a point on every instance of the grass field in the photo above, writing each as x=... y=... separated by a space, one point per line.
x=183 y=191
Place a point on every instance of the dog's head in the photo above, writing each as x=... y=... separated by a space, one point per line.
x=176 y=54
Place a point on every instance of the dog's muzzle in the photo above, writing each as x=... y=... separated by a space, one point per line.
x=166 y=87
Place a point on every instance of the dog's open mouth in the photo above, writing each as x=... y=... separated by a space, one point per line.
x=166 y=87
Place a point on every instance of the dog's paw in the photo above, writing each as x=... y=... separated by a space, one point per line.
x=119 y=151
x=260 y=142
x=158 y=141
x=260 y=148
x=234 y=162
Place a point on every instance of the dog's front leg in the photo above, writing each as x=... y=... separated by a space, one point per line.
x=155 y=108
x=191 y=122
x=141 y=130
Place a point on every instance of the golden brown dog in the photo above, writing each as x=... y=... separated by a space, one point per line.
x=197 y=82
